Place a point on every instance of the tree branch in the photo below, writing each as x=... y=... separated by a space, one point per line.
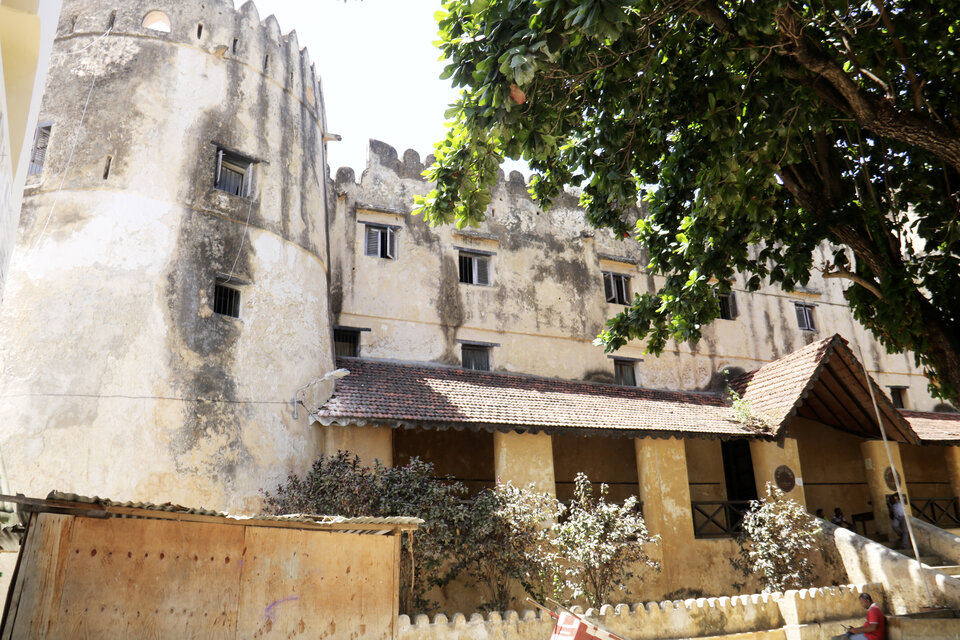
x=860 y=280
x=916 y=87
x=870 y=111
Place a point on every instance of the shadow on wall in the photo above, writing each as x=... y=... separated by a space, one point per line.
x=902 y=578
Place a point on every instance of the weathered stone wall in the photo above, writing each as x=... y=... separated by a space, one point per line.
x=803 y=614
x=117 y=377
x=546 y=303
x=909 y=585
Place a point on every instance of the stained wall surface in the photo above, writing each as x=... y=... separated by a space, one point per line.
x=546 y=301
x=118 y=378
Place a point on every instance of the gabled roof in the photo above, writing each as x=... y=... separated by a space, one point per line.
x=823 y=381
x=379 y=392
x=934 y=426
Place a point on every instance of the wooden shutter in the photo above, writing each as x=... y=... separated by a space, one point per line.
x=804 y=316
x=373 y=241
x=248 y=181
x=39 y=155
x=625 y=373
x=482 y=266
x=608 y=287
x=732 y=303
x=624 y=295
x=391 y=243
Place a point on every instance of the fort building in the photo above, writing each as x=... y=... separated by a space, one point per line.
x=168 y=297
x=196 y=309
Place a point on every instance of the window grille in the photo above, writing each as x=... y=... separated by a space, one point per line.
x=234 y=174
x=728 y=306
x=474 y=269
x=39 y=154
x=805 y=318
x=616 y=287
x=346 y=342
x=226 y=300
x=380 y=242
x=475 y=357
x=625 y=372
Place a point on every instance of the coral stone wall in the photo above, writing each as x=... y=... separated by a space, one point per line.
x=118 y=378
x=546 y=302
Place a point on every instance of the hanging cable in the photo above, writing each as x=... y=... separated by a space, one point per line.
x=896 y=479
x=246 y=227
x=76 y=138
x=73 y=53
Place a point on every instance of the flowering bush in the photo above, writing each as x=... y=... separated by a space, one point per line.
x=778 y=541
x=601 y=542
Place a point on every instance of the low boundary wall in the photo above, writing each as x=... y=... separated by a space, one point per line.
x=794 y=615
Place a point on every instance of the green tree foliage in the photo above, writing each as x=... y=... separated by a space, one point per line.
x=341 y=485
x=508 y=539
x=601 y=543
x=778 y=542
x=769 y=128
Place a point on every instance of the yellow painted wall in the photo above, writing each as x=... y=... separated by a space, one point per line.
x=832 y=468
x=27 y=28
x=524 y=459
x=768 y=457
x=368 y=442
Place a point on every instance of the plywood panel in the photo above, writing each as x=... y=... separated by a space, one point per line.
x=42 y=572
x=149 y=579
x=296 y=582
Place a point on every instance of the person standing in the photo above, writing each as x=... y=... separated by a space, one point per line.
x=898 y=520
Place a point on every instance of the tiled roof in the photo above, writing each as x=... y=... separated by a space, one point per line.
x=934 y=426
x=57 y=498
x=826 y=382
x=776 y=389
x=823 y=380
x=402 y=394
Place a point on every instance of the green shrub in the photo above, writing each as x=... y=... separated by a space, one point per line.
x=508 y=539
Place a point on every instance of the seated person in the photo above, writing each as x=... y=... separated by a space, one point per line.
x=839 y=520
x=876 y=626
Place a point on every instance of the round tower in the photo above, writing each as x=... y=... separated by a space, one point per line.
x=168 y=294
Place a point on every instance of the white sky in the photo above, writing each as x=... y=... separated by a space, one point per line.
x=379 y=68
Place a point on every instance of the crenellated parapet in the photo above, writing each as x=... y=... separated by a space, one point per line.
x=382 y=157
x=216 y=27
x=699 y=617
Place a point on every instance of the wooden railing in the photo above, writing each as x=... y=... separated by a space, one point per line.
x=940 y=512
x=720 y=519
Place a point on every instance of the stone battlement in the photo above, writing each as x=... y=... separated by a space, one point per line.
x=409 y=167
x=215 y=27
x=679 y=618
